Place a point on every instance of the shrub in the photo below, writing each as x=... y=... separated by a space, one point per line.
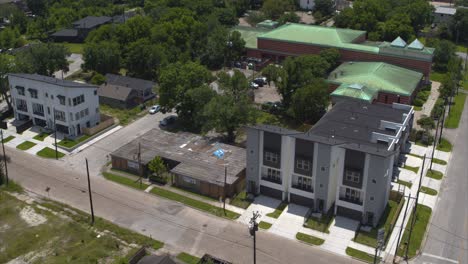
x=158 y=179
x=418 y=102
x=438 y=108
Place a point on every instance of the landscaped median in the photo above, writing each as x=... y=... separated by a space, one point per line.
x=264 y=225
x=202 y=206
x=423 y=215
x=437 y=175
x=26 y=145
x=413 y=169
x=428 y=191
x=5 y=140
x=405 y=183
x=49 y=153
x=320 y=224
x=70 y=143
x=309 y=239
x=279 y=209
x=361 y=255
x=41 y=136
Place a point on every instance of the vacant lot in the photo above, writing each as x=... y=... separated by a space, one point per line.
x=46 y=232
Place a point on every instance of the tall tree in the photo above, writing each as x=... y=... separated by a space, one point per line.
x=310 y=101
x=273 y=9
x=103 y=57
x=144 y=59
x=325 y=7
x=43 y=58
x=6 y=66
x=157 y=166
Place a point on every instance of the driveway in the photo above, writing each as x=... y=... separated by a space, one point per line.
x=76 y=60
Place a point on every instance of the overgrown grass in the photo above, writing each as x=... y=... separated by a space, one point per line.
x=195 y=194
x=264 y=225
x=445 y=145
x=279 y=209
x=428 y=190
x=437 y=76
x=360 y=255
x=41 y=136
x=453 y=118
x=439 y=161
x=26 y=145
x=70 y=143
x=241 y=200
x=187 y=258
x=405 y=183
x=434 y=174
x=49 y=153
x=386 y=221
x=309 y=239
x=125 y=116
x=422 y=219
x=134 y=183
x=74 y=47
x=417 y=108
x=218 y=211
x=413 y=169
x=320 y=224
x=9 y=138
x=12 y=187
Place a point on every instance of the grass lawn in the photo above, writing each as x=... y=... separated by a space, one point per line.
x=125 y=116
x=422 y=219
x=385 y=221
x=41 y=136
x=439 y=161
x=414 y=155
x=445 y=145
x=63 y=238
x=12 y=187
x=456 y=110
x=75 y=47
x=195 y=194
x=320 y=224
x=69 y=143
x=241 y=200
x=437 y=76
x=5 y=140
x=428 y=191
x=26 y=145
x=417 y=108
x=218 y=211
x=187 y=258
x=360 y=255
x=264 y=225
x=434 y=174
x=413 y=169
x=134 y=183
x=278 y=210
x=309 y=239
x=49 y=153
x=405 y=183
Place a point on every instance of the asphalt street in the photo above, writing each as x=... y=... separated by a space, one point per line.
x=446 y=241
x=180 y=227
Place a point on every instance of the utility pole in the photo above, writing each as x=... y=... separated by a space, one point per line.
x=402 y=227
x=4 y=159
x=253 y=228
x=55 y=136
x=442 y=125
x=435 y=143
x=225 y=180
x=90 y=195
x=139 y=165
x=415 y=210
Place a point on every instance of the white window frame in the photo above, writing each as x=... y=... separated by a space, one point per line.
x=271 y=156
x=273 y=174
x=352 y=194
x=303 y=182
x=303 y=164
x=353 y=176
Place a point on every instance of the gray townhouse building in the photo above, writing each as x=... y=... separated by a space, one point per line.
x=343 y=163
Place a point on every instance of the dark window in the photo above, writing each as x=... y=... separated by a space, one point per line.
x=95 y=92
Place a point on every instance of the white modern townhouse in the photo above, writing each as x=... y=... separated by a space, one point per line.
x=36 y=98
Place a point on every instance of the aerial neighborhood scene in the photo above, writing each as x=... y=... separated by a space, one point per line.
x=233 y=131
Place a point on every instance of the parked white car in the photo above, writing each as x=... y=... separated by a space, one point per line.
x=154 y=109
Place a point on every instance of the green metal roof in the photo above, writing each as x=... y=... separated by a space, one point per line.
x=318 y=35
x=375 y=77
x=249 y=34
x=357 y=91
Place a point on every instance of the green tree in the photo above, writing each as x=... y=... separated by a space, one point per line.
x=398 y=26
x=6 y=66
x=237 y=46
x=273 y=9
x=190 y=109
x=216 y=48
x=10 y=38
x=459 y=25
x=98 y=79
x=144 y=59
x=103 y=57
x=226 y=114
x=240 y=6
x=426 y=122
x=332 y=57
x=157 y=166
x=310 y=101
x=43 y=58
x=325 y=7
x=235 y=85
x=444 y=51
x=288 y=17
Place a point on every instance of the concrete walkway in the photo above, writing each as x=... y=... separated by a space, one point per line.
x=263 y=205
x=428 y=105
x=342 y=232
x=290 y=221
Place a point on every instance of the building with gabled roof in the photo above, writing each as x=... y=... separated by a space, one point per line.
x=374 y=82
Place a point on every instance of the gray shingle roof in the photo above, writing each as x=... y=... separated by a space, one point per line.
x=114 y=91
x=67 y=32
x=134 y=83
x=52 y=80
x=90 y=22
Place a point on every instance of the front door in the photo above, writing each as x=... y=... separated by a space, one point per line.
x=252 y=187
x=370 y=218
x=78 y=129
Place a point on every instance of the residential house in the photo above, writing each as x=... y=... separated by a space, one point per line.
x=142 y=88
x=80 y=29
x=117 y=96
x=343 y=163
x=444 y=14
x=44 y=100
x=374 y=82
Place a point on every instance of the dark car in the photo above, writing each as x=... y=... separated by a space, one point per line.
x=260 y=81
x=168 y=120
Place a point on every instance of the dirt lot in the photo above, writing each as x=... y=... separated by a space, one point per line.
x=267 y=93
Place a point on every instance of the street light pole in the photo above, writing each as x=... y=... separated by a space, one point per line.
x=90 y=195
x=225 y=180
x=442 y=124
x=253 y=230
x=4 y=159
x=55 y=136
x=435 y=143
x=402 y=225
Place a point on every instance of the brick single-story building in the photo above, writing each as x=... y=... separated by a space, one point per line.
x=296 y=39
x=190 y=159
x=374 y=82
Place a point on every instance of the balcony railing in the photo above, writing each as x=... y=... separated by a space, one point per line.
x=23 y=108
x=351 y=200
x=274 y=180
x=38 y=113
x=303 y=188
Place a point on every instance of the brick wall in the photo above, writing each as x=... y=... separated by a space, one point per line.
x=389 y=98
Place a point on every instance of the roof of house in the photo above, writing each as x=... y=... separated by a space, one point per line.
x=67 y=32
x=134 y=83
x=445 y=10
x=250 y=34
x=373 y=77
x=90 y=22
x=319 y=35
x=353 y=124
x=117 y=92
x=193 y=153
x=52 y=80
